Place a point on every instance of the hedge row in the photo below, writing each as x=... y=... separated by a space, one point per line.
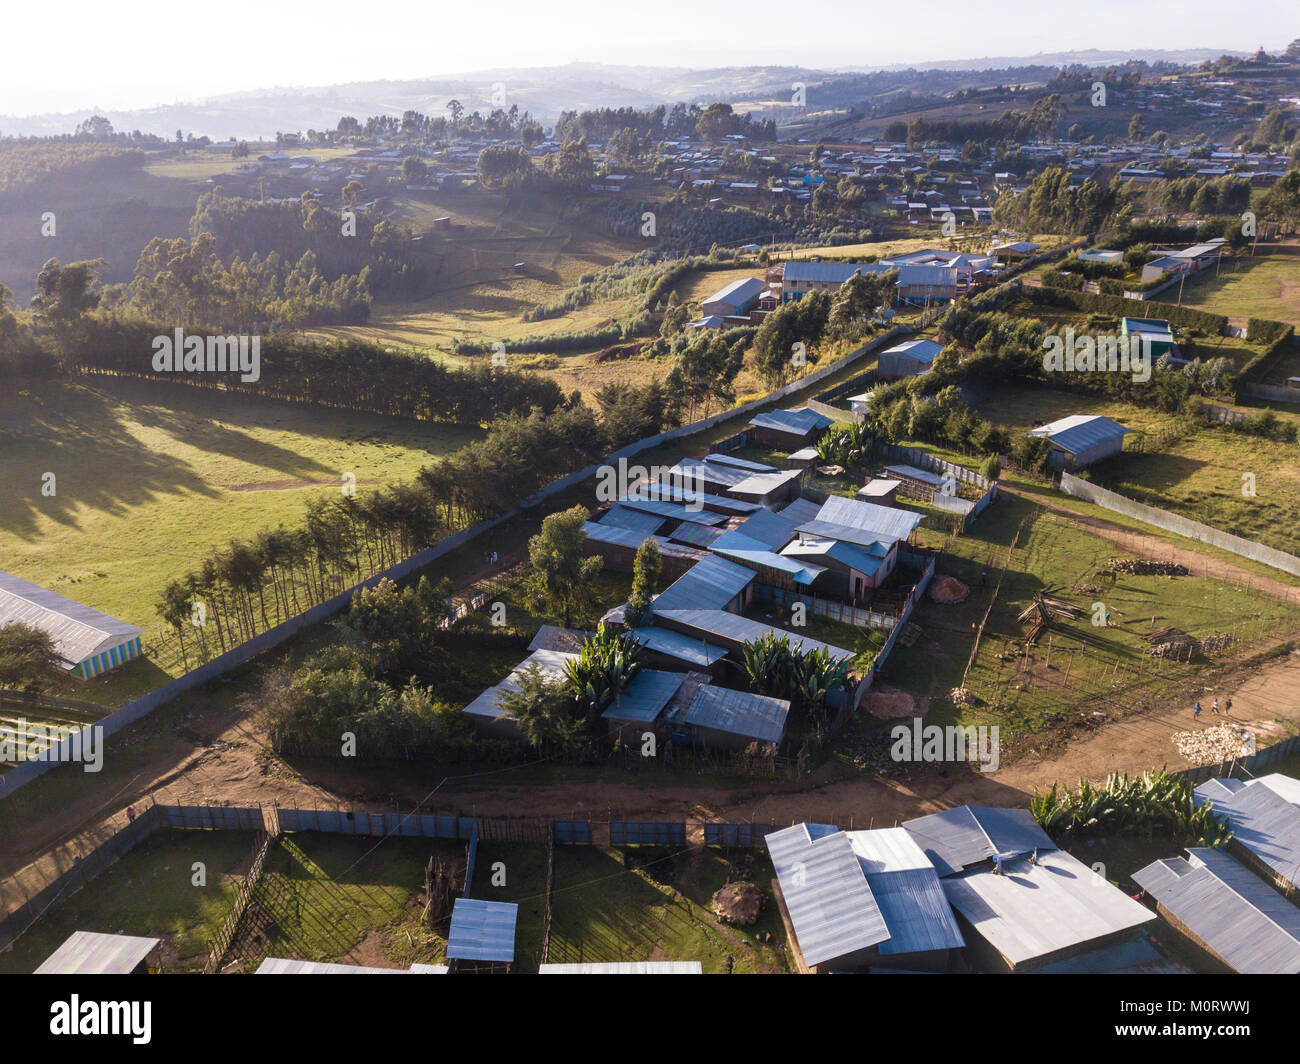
x=1282 y=336
x=1118 y=306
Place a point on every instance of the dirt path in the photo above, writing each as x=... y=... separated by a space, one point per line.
x=237 y=770
x=1151 y=547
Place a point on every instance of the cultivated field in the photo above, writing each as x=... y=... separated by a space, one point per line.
x=150 y=477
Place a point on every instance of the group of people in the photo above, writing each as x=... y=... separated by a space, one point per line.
x=1214 y=708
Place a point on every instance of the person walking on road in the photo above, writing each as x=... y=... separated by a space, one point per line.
x=1214 y=707
x=1196 y=713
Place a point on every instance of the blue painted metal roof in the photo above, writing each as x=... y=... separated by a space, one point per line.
x=737 y=713
x=710 y=584
x=645 y=697
x=482 y=930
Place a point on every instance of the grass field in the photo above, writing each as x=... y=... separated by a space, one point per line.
x=1198 y=475
x=1265 y=286
x=150 y=477
x=604 y=910
x=343 y=898
x=149 y=892
x=1052 y=552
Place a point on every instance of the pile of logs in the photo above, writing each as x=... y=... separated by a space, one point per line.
x=1142 y=567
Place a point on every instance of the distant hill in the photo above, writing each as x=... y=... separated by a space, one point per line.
x=544 y=91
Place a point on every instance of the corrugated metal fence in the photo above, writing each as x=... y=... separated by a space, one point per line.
x=1182 y=526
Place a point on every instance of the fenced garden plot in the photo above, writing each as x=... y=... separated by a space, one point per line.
x=150 y=891
x=641 y=904
x=325 y=897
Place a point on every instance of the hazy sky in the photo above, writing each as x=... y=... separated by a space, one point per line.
x=78 y=55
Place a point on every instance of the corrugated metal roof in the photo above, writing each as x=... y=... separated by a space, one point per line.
x=551 y=663
x=800 y=421
x=1034 y=910
x=696 y=535
x=915 y=473
x=830 y=272
x=924 y=351
x=624 y=968
x=907 y=890
x=1240 y=917
x=1080 y=432
x=1216 y=789
x=429 y=969
x=482 y=930
x=285 y=966
x=671 y=510
x=866 y=559
x=95 y=953
x=800 y=510
x=78 y=632
x=623 y=537
x=626 y=517
x=1266 y=824
x=863 y=523
x=737 y=713
x=710 y=584
x=773 y=530
x=967 y=835
x=739 y=463
x=738 y=629
x=738 y=292
x=1282 y=785
x=931 y=276
x=700 y=474
x=736 y=546
x=765 y=483
x=672 y=493
x=679 y=646
x=645 y=697
x=826 y=893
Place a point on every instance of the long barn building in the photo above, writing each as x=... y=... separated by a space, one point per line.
x=87 y=641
